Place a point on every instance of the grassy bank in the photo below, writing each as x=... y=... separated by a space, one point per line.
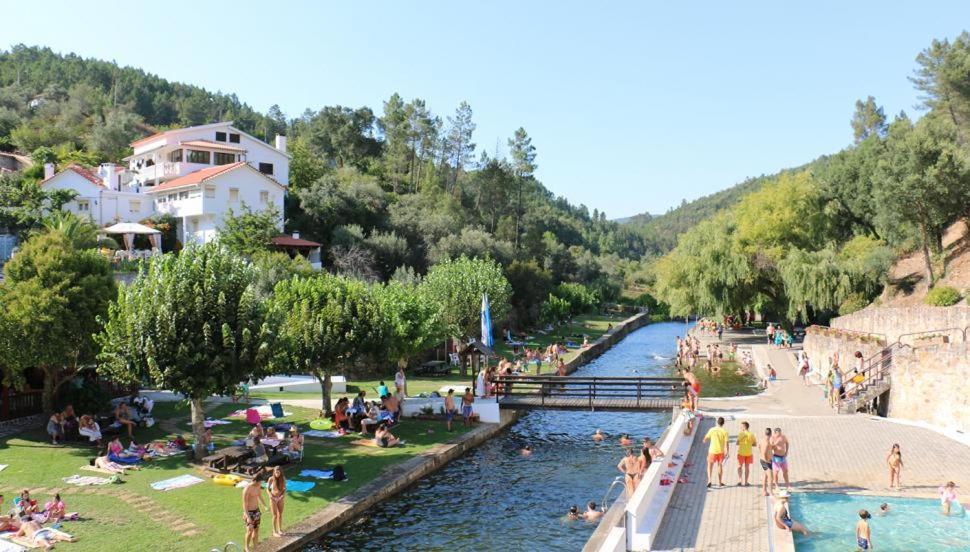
x=206 y=514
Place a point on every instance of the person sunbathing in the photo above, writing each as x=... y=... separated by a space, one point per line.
x=40 y=535
x=105 y=464
x=383 y=437
x=123 y=417
x=9 y=523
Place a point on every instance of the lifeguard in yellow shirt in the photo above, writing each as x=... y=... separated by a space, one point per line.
x=718 y=450
x=746 y=443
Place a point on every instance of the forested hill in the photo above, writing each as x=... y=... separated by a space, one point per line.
x=660 y=231
x=388 y=190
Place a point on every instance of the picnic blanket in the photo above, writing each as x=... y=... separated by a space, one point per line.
x=85 y=480
x=322 y=434
x=265 y=412
x=2 y=466
x=210 y=423
x=317 y=474
x=176 y=483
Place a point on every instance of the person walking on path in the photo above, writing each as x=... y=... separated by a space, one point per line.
x=746 y=443
x=863 y=533
x=895 y=461
x=717 y=451
x=252 y=498
x=779 y=456
x=768 y=480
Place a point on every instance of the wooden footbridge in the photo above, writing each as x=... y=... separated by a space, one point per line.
x=588 y=393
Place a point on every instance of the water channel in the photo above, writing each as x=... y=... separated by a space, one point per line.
x=496 y=499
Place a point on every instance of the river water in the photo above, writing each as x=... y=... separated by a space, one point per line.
x=494 y=498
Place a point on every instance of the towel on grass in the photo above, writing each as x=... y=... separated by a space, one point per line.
x=85 y=480
x=9 y=546
x=265 y=412
x=318 y=474
x=210 y=423
x=176 y=483
x=2 y=466
x=322 y=434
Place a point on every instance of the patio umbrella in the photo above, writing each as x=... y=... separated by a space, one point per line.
x=129 y=229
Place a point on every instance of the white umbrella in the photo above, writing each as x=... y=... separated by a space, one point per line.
x=129 y=229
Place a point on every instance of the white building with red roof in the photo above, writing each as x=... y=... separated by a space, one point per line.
x=101 y=194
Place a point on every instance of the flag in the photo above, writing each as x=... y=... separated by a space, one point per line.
x=486 y=323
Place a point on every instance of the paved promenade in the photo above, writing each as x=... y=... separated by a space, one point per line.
x=829 y=452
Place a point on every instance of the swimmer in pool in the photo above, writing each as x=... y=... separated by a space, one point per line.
x=625 y=440
x=573 y=513
x=598 y=436
x=592 y=513
x=883 y=509
x=863 y=533
x=527 y=450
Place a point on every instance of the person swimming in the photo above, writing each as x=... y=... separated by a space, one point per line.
x=625 y=440
x=598 y=436
x=573 y=513
x=527 y=450
x=592 y=513
x=883 y=509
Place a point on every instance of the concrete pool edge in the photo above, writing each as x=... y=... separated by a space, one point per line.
x=397 y=478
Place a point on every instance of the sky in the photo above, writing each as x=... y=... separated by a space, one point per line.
x=632 y=106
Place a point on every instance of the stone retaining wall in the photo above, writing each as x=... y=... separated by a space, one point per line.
x=396 y=478
x=893 y=322
x=932 y=384
x=822 y=344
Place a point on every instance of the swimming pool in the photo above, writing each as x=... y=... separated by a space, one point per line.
x=912 y=524
x=495 y=499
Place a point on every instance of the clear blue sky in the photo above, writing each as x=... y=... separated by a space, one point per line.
x=633 y=106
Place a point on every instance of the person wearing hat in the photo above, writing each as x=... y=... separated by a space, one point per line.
x=783 y=519
x=863 y=533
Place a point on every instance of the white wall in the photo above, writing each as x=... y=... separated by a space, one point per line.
x=86 y=191
x=250 y=184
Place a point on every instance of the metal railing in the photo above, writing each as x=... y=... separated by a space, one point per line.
x=591 y=389
x=874 y=369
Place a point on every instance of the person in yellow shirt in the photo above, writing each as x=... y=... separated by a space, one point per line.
x=746 y=442
x=717 y=451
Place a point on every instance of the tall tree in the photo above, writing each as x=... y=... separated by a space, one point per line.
x=868 y=120
x=190 y=324
x=942 y=75
x=249 y=232
x=51 y=299
x=459 y=147
x=344 y=136
x=523 y=155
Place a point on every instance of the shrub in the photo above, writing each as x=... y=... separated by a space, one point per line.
x=942 y=296
x=852 y=303
x=85 y=395
x=554 y=309
x=579 y=297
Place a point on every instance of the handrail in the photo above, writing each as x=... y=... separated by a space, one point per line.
x=604 y=504
x=858 y=332
x=963 y=331
x=589 y=388
x=874 y=368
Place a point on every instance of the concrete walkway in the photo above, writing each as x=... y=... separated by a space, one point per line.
x=828 y=452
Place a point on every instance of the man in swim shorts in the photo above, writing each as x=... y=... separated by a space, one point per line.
x=764 y=447
x=717 y=451
x=450 y=409
x=252 y=498
x=466 y=406
x=779 y=455
x=746 y=443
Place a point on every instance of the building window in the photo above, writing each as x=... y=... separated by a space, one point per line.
x=175 y=156
x=134 y=206
x=264 y=197
x=198 y=156
x=162 y=199
x=150 y=163
x=210 y=192
x=172 y=197
x=183 y=195
x=220 y=136
x=83 y=205
x=234 y=137
x=266 y=168
x=225 y=158
x=233 y=195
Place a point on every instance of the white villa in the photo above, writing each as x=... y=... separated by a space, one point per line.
x=196 y=174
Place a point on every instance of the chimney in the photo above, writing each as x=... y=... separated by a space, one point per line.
x=281 y=142
x=48 y=170
x=108 y=176
x=296 y=235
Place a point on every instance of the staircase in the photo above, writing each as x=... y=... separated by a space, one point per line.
x=877 y=379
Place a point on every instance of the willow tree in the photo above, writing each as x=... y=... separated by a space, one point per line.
x=320 y=325
x=189 y=324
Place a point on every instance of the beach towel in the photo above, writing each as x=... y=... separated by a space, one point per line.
x=317 y=474
x=210 y=423
x=3 y=466
x=176 y=483
x=6 y=545
x=85 y=480
x=297 y=486
x=124 y=459
x=322 y=434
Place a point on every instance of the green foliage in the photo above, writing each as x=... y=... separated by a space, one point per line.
x=554 y=310
x=272 y=267
x=85 y=394
x=456 y=287
x=530 y=285
x=580 y=298
x=411 y=325
x=657 y=309
x=50 y=300
x=942 y=296
x=24 y=204
x=190 y=324
x=249 y=232
x=854 y=302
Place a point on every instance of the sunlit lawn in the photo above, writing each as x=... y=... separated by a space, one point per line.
x=108 y=523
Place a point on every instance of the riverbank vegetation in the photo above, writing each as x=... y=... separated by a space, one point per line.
x=811 y=243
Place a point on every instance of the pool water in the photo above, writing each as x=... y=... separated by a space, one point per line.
x=911 y=525
x=493 y=498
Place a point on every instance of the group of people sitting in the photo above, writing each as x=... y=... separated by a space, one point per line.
x=260 y=438
x=65 y=424
x=362 y=415
x=26 y=519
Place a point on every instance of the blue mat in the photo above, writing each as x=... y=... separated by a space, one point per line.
x=318 y=474
x=297 y=486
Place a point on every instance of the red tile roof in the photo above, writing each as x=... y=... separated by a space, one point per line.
x=211 y=144
x=148 y=138
x=196 y=177
x=88 y=174
x=290 y=241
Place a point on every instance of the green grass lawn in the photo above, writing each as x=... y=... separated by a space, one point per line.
x=109 y=523
x=592 y=325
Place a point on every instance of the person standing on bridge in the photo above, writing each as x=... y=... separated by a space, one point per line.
x=717 y=451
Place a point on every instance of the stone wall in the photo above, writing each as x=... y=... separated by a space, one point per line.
x=932 y=384
x=821 y=344
x=892 y=322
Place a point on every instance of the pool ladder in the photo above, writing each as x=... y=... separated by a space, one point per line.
x=619 y=480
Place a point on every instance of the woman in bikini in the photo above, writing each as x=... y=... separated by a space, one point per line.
x=276 y=487
x=629 y=466
x=895 y=462
x=643 y=463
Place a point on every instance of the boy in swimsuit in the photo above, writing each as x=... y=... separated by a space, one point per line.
x=718 y=450
x=863 y=533
x=466 y=406
x=768 y=481
x=783 y=519
x=779 y=455
x=251 y=499
x=450 y=409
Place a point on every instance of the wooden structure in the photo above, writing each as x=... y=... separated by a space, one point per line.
x=472 y=353
x=588 y=393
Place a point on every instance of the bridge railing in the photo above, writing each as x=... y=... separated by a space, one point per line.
x=592 y=389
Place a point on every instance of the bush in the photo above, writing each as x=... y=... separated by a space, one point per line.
x=657 y=309
x=554 y=309
x=942 y=296
x=579 y=297
x=852 y=303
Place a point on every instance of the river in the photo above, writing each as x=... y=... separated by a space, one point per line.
x=494 y=498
